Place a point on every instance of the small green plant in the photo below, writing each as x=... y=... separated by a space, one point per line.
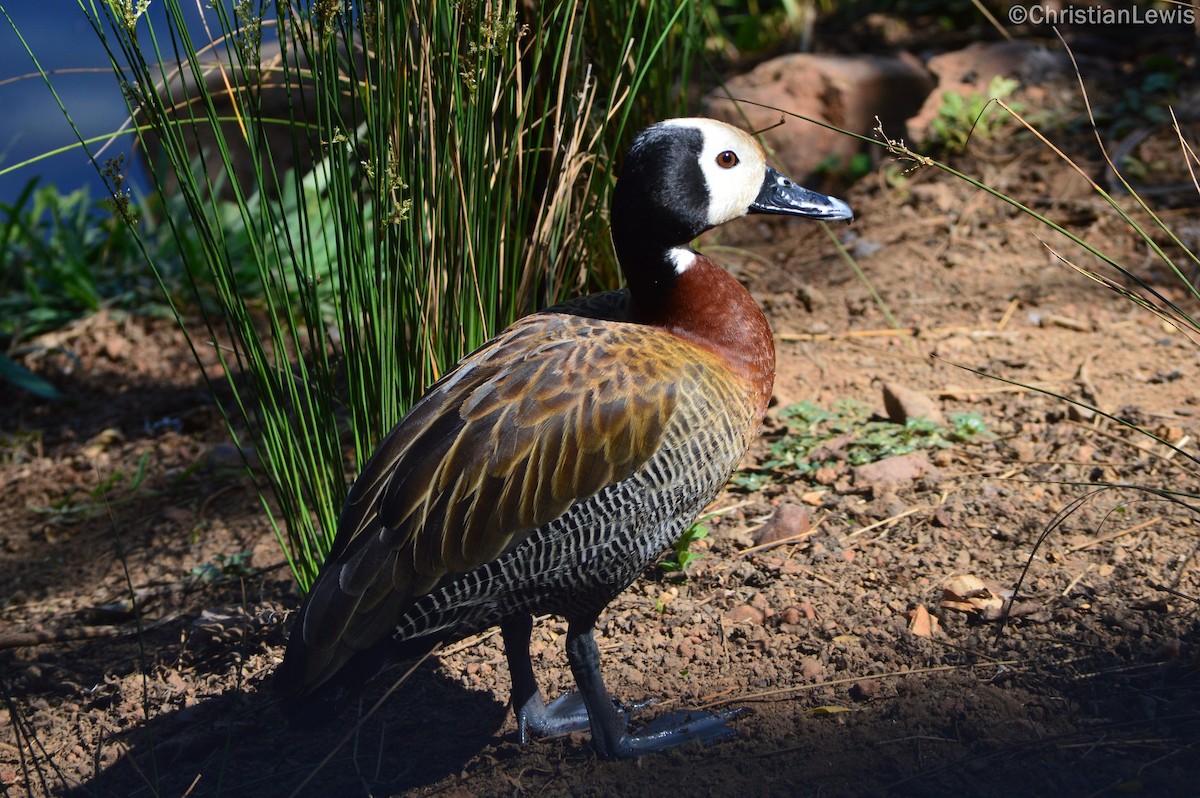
x=962 y=117
x=1147 y=103
x=967 y=426
x=750 y=481
x=117 y=488
x=62 y=256
x=818 y=437
x=682 y=555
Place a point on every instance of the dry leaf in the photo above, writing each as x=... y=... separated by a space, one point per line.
x=813 y=497
x=968 y=593
x=964 y=587
x=921 y=623
x=101 y=442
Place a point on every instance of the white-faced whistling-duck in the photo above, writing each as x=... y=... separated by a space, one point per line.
x=552 y=465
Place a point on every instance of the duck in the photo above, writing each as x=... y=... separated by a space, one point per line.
x=550 y=467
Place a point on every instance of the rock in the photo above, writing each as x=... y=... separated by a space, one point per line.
x=864 y=690
x=279 y=152
x=794 y=615
x=788 y=522
x=894 y=470
x=746 y=614
x=970 y=70
x=811 y=668
x=846 y=91
x=903 y=403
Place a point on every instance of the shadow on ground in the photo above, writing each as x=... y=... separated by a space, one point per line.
x=240 y=744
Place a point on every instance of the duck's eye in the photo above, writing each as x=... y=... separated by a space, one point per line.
x=727 y=159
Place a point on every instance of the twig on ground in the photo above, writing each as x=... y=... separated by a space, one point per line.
x=1115 y=535
x=886 y=521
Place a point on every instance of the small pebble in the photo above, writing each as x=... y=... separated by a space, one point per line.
x=865 y=690
x=746 y=614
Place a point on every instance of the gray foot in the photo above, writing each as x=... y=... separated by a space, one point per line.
x=677 y=728
x=563 y=715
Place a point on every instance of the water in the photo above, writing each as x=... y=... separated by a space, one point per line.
x=31 y=123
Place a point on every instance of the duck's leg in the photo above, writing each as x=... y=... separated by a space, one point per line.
x=564 y=714
x=609 y=733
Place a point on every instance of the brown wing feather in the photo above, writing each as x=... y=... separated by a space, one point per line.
x=550 y=412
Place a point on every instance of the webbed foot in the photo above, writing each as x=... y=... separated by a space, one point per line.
x=674 y=729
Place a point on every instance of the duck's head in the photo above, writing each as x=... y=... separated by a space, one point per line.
x=684 y=176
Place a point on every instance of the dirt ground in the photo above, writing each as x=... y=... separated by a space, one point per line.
x=144 y=604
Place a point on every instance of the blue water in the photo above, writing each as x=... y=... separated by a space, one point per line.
x=31 y=123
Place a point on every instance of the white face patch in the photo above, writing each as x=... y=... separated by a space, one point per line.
x=730 y=190
x=683 y=258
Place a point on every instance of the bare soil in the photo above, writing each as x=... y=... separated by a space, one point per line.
x=136 y=648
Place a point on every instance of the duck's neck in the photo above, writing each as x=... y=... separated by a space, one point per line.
x=706 y=305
